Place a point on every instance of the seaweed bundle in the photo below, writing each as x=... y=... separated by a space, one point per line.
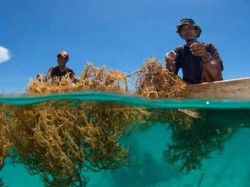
x=92 y=78
x=155 y=81
x=61 y=140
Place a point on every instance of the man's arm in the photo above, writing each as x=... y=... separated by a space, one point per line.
x=48 y=75
x=212 y=66
x=214 y=55
x=72 y=76
x=46 y=78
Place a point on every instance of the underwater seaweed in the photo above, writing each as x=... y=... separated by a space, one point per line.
x=59 y=143
x=196 y=139
x=4 y=142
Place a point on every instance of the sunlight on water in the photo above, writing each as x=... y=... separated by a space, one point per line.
x=178 y=143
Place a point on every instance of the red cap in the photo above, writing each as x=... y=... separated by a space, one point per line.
x=63 y=54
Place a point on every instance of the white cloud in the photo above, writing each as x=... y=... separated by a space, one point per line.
x=4 y=54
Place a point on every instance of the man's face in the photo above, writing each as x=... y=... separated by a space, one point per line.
x=188 y=32
x=61 y=61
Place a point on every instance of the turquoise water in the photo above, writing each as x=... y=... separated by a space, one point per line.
x=126 y=99
x=219 y=147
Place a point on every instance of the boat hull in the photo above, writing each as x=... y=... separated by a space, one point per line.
x=234 y=89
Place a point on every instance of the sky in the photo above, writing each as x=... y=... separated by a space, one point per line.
x=118 y=34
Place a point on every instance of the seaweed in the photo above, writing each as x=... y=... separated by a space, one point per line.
x=61 y=140
x=154 y=81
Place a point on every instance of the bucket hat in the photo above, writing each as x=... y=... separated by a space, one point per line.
x=188 y=21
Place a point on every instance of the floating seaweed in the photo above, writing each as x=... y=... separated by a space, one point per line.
x=61 y=140
x=92 y=78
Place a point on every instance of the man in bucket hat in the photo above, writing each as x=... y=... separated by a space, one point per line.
x=200 y=62
x=60 y=70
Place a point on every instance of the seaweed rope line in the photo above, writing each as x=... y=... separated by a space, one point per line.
x=134 y=72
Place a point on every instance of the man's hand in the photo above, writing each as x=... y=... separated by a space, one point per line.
x=40 y=78
x=170 y=59
x=199 y=49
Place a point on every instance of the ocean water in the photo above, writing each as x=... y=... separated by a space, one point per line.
x=184 y=143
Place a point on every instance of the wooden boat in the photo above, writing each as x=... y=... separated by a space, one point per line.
x=233 y=89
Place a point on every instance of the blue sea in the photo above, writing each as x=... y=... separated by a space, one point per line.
x=213 y=151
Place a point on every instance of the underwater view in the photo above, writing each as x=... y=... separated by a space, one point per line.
x=106 y=139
